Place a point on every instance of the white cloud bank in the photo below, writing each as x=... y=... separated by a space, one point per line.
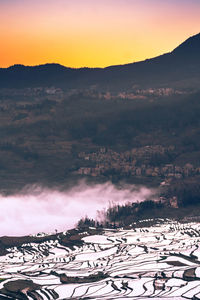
x=44 y=210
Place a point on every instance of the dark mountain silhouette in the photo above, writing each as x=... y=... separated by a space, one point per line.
x=190 y=49
x=181 y=67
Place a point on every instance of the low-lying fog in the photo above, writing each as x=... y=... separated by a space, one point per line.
x=39 y=209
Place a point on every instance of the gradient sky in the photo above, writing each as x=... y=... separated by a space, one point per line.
x=93 y=33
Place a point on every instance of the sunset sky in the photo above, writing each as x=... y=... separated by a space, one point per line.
x=93 y=33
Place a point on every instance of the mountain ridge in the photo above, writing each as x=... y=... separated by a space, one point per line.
x=181 y=63
x=193 y=38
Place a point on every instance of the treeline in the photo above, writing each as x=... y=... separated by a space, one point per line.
x=144 y=213
x=122 y=215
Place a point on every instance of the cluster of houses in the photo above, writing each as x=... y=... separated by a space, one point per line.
x=168 y=171
x=136 y=162
x=151 y=92
x=133 y=93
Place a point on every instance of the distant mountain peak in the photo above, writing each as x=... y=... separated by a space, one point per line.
x=191 y=46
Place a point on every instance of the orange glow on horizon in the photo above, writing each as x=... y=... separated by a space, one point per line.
x=92 y=33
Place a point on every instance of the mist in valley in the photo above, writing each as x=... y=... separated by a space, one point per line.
x=39 y=209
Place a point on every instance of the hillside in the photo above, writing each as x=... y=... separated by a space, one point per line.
x=55 y=136
x=49 y=139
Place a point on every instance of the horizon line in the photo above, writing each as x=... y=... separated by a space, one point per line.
x=96 y=67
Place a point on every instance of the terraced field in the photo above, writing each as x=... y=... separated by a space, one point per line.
x=161 y=261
